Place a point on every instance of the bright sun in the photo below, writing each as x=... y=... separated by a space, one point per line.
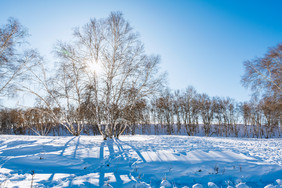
x=95 y=67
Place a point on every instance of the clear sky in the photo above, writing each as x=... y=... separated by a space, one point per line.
x=202 y=43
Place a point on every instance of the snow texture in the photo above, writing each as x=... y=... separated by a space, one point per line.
x=197 y=186
x=212 y=185
x=139 y=161
x=242 y=185
x=165 y=183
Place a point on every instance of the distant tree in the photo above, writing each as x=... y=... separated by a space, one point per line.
x=245 y=110
x=206 y=112
x=230 y=112
x=272 y=111
x=218 y=115
x=265 y=74
x=177 y=101
x=190 y=110
x=256 y=117
x=11 y=121
x=38 y=120
x=164 y=106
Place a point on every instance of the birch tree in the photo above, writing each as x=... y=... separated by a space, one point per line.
x=264 y=74
x=12 y=36
x=118 y=71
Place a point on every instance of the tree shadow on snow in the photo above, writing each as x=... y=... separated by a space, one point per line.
x=112 y=164
x=25 y=158
x=121 y=163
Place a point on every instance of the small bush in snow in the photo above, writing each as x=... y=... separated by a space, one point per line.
x=216 y=169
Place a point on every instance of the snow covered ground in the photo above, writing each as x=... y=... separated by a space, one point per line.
x=139 y=161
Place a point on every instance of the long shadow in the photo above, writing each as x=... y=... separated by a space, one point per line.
x=63 y=150
x=23 y=148
x=51 y=141
x=133 y=175
x=17 y=147
x=76 y=147
x=74 y=156
x=113 y=154
x=155 y=165
x=135 y=149
x=27 y=150
x=102 y=173
x=66 y=144
x=19 y=142
x=99 y=165
x=50 y=182
x=121 y=149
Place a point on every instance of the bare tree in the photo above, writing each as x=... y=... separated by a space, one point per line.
x=245 y=109
x=230 y=112
x=218 y=115
x=207 y=113
x=190 y=110
x=177 y=101
x=13 y=57
x=265 y=73
x=114 y=63
x=38 y=120
x=256 y=117
x=11 y=121
x=272 y=111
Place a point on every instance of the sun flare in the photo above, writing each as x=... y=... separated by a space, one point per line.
x=94 y=67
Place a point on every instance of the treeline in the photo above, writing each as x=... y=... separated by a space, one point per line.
x=171 y=113
x=104 y=83
x=219 y=116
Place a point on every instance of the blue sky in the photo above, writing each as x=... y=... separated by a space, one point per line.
x=201 y=43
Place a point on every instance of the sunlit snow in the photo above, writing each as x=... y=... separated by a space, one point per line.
x=139 y=161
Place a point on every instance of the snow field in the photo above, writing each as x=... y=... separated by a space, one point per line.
x=139 y=161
